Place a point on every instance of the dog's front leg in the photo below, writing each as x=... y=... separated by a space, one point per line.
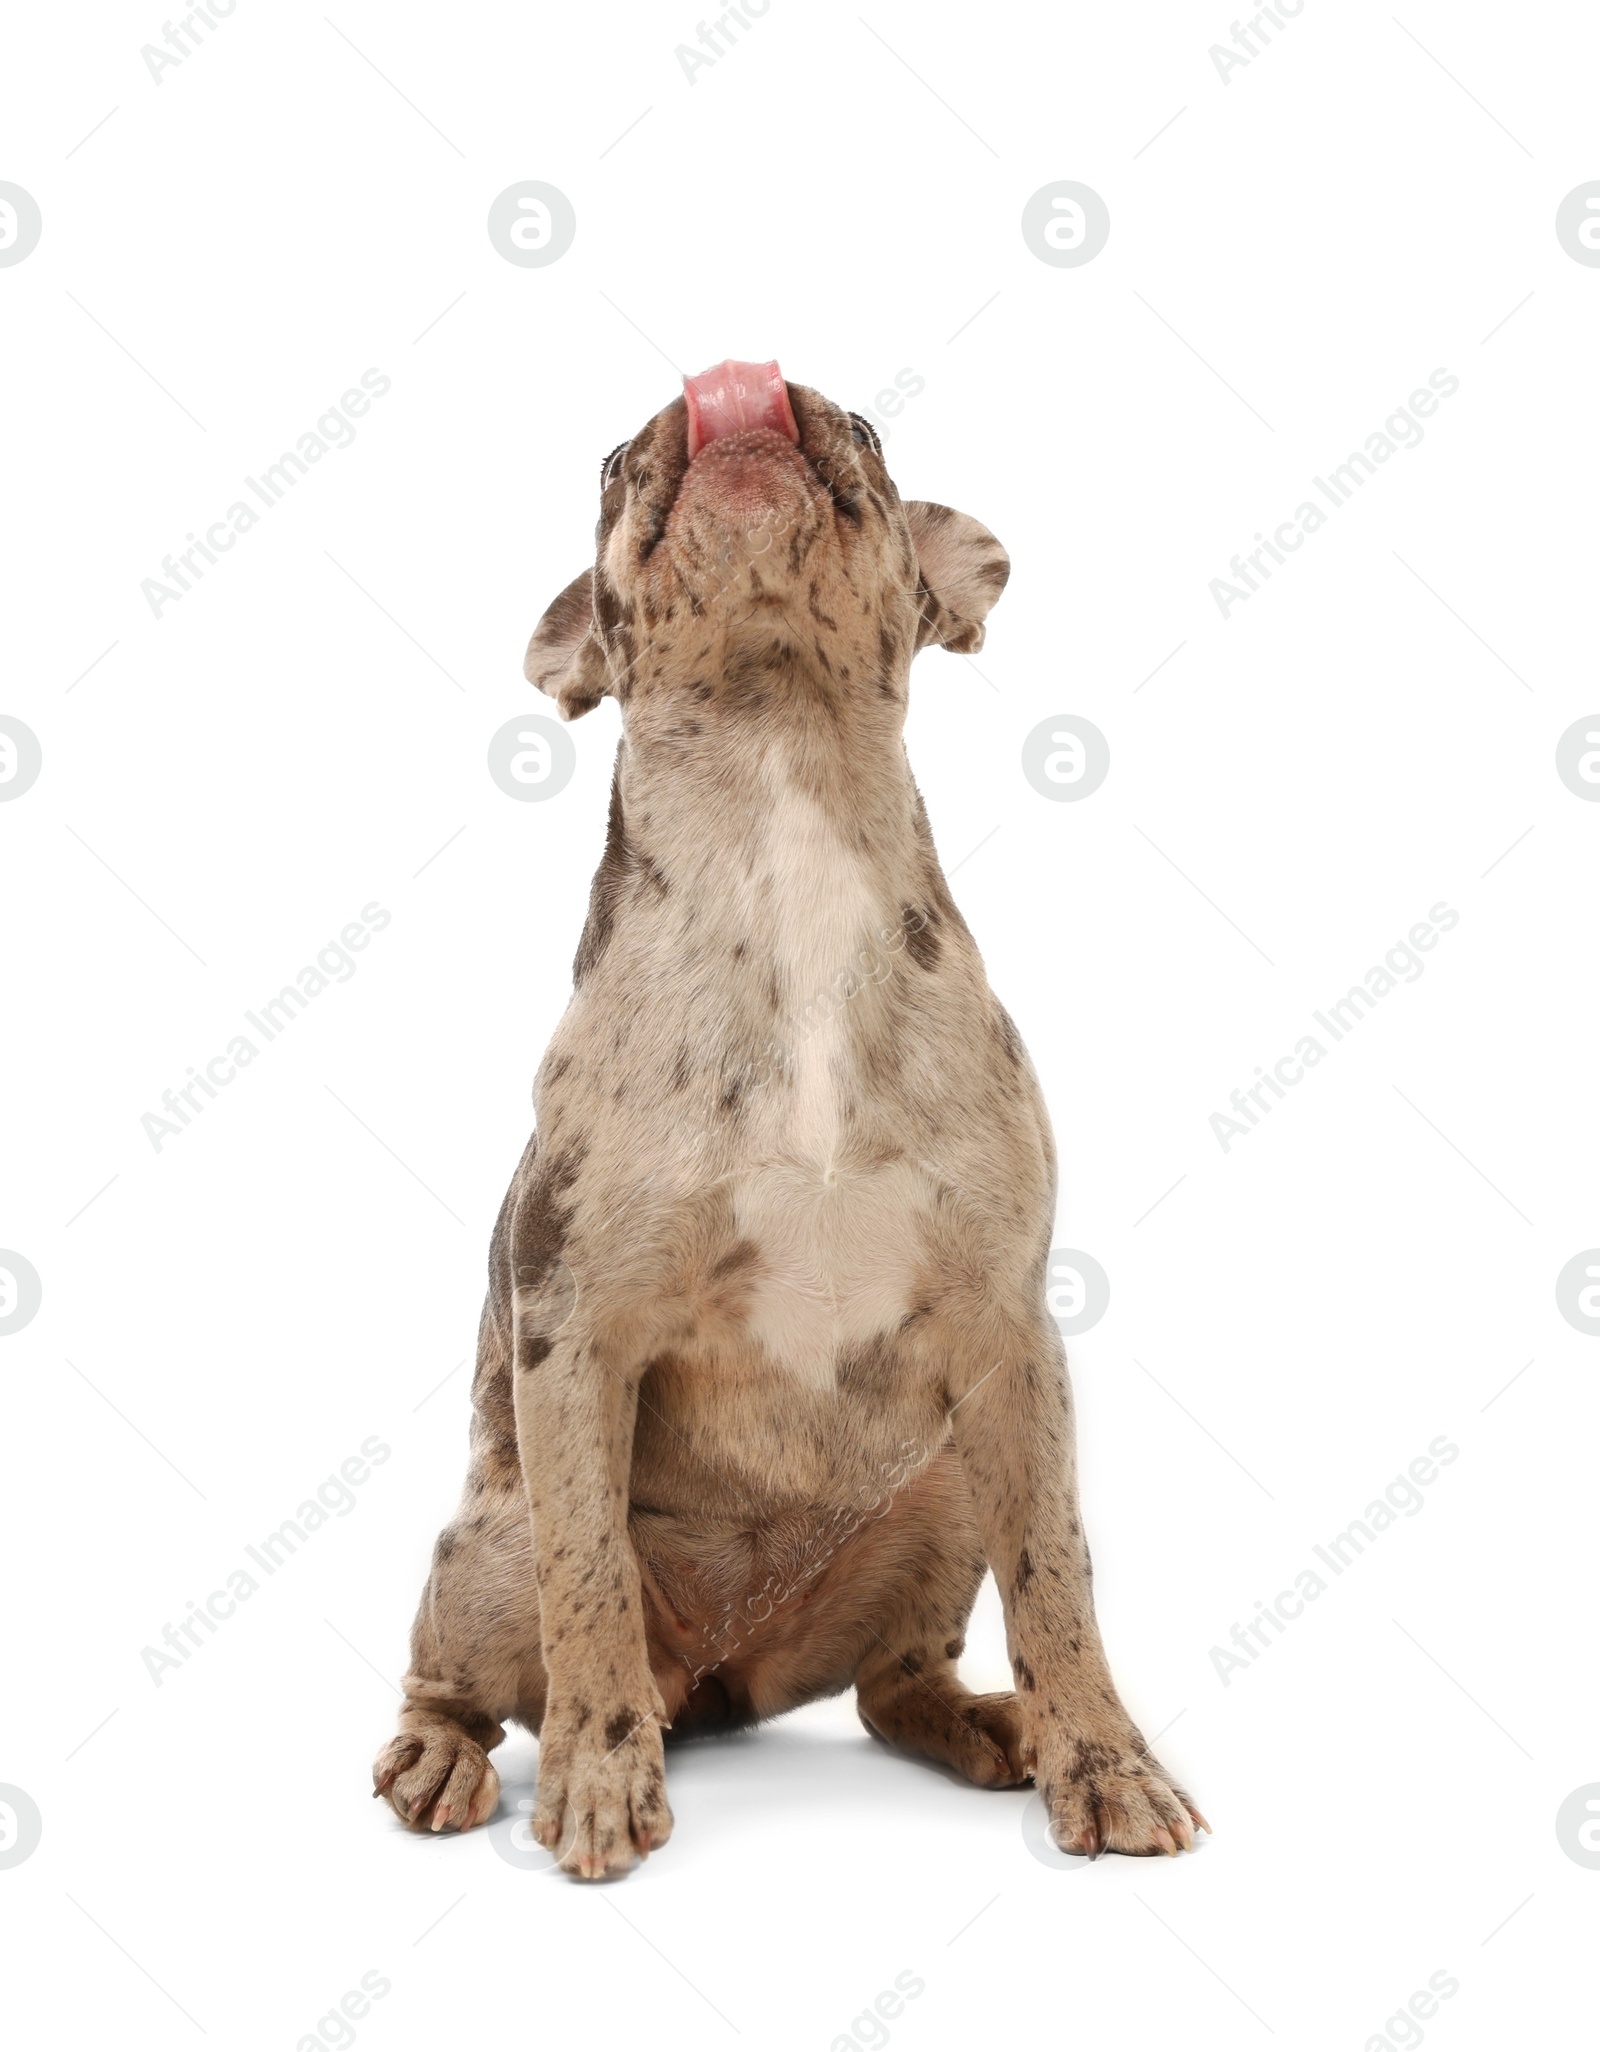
x=602 y=1789
x=1013 y=1424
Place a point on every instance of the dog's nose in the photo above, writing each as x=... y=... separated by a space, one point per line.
x=733 y=396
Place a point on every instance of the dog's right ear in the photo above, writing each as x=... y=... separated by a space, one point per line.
x=564 y=657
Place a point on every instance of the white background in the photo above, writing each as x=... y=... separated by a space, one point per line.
x=1290 y=791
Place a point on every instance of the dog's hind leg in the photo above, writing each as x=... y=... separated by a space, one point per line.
x=474 y=1662
x=475 y=1652
x=907 y=1689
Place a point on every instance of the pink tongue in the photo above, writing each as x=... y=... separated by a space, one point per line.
x=731 y=396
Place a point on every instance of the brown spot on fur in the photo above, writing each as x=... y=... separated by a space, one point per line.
x=542 y=1219
x=922 y=942
x=606 y=889
x=817 y=612
x=736 y=1258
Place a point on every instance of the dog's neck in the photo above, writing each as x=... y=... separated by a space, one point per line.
x=766 y=779
x=767 y=879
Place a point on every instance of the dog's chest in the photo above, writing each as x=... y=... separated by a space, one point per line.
x=836 y=1259
x=836 y=1235
x=814 y=914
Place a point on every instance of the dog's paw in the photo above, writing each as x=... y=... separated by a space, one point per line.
x=1111 y=1795
x=602 y=1798
x=436 y=1778
x=981 y=1737
x=990 y=1749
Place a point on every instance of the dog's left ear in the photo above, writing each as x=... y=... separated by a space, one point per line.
x=963 y=570
x=564 y=657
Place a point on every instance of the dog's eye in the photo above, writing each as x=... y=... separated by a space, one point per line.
x=865 y=434
x=611 y=469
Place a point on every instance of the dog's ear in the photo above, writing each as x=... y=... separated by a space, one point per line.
x=963 y=570
x=564 y=657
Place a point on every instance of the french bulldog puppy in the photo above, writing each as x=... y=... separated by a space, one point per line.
x=766 y=1378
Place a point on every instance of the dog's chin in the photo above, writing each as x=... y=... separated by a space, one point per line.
x=746 y=517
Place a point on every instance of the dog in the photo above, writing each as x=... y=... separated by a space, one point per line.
x=766 y=1379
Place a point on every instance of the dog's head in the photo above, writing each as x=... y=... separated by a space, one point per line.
x=751 y=527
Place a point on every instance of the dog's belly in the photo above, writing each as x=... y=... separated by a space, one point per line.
x=772 y=1611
